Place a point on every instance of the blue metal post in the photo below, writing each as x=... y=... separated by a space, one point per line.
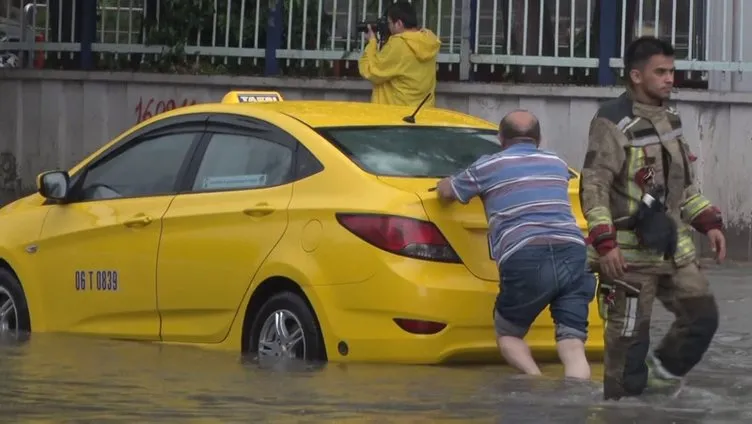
x=87 y=32
x=273 y=39
x=607 y=42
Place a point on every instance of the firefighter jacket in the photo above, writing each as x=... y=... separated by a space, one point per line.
x=630 y=143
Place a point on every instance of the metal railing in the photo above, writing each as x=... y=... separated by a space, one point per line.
x=529 y=35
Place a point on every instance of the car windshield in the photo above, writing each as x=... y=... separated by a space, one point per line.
x=419 y=151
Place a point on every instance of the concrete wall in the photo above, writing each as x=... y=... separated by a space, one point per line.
x=52 y=119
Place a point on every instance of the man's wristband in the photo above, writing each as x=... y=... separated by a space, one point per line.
x=709 y=219
x=602 y=238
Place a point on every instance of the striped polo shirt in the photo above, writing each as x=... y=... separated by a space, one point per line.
x=525 y=195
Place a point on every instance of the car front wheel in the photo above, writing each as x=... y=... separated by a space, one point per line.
x=14 y=312
x=286 y=328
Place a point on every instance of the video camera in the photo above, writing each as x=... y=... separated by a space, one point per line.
x=380 y=27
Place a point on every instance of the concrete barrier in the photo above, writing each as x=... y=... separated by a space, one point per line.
x=52 y=119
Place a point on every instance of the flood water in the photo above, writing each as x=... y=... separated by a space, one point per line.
x=73 y=379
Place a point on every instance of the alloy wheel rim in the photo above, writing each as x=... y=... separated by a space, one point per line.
x=282 y=336
x=8 y=312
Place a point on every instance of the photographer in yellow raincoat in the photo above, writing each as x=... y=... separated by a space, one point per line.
x=403 y=72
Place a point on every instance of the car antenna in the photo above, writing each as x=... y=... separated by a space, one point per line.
x=411 y=119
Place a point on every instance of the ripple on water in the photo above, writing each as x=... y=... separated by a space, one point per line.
x=76 y=378
x=68 y=378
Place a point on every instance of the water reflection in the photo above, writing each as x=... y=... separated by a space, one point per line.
x=68 y=378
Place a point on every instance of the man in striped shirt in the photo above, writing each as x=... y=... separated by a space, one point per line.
x=535 y=240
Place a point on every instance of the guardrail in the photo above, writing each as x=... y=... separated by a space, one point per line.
x=553 y=38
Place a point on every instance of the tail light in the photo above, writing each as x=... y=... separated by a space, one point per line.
x=404 y=236
x=39 y=54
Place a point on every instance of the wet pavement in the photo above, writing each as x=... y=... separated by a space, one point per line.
x=73 y=379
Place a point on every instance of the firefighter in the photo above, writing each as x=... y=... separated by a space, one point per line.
x=641 y=201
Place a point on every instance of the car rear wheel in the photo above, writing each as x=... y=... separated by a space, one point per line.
x=286 y=328
x=14 y=312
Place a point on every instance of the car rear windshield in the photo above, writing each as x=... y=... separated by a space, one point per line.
x=413 y=151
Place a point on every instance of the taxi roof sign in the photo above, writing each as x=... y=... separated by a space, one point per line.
x=252 y=97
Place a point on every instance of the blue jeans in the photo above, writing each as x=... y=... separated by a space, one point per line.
x=539 y=275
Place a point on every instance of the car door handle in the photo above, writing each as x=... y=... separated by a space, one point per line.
x=138 y=221
x=260 y=210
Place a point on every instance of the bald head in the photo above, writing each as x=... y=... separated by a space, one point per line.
x=519 y=125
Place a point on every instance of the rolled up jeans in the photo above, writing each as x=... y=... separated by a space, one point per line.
x=551 y=274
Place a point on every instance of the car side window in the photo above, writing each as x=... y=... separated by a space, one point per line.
x=149 y=167
x=306 y=163
x=235 y=161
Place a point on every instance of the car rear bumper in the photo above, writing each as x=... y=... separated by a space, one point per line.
x=360 y=326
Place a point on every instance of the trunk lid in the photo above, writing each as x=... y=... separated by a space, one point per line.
x=465 y=226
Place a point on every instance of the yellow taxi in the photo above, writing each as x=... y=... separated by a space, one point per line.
x=302 y=229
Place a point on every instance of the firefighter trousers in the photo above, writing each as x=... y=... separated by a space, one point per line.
x=626 y=306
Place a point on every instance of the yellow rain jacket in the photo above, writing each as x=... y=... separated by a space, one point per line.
x=403 y=72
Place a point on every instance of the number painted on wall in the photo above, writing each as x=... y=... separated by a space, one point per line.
x=148 y=107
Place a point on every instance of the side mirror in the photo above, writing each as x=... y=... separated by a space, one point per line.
x=53 y=184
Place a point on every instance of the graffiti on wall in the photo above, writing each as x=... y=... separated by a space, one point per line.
x=8 y=170
x=150 y=106
x=10 y=185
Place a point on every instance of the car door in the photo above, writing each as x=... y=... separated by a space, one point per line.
x=220 y=228
x=97 y=253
